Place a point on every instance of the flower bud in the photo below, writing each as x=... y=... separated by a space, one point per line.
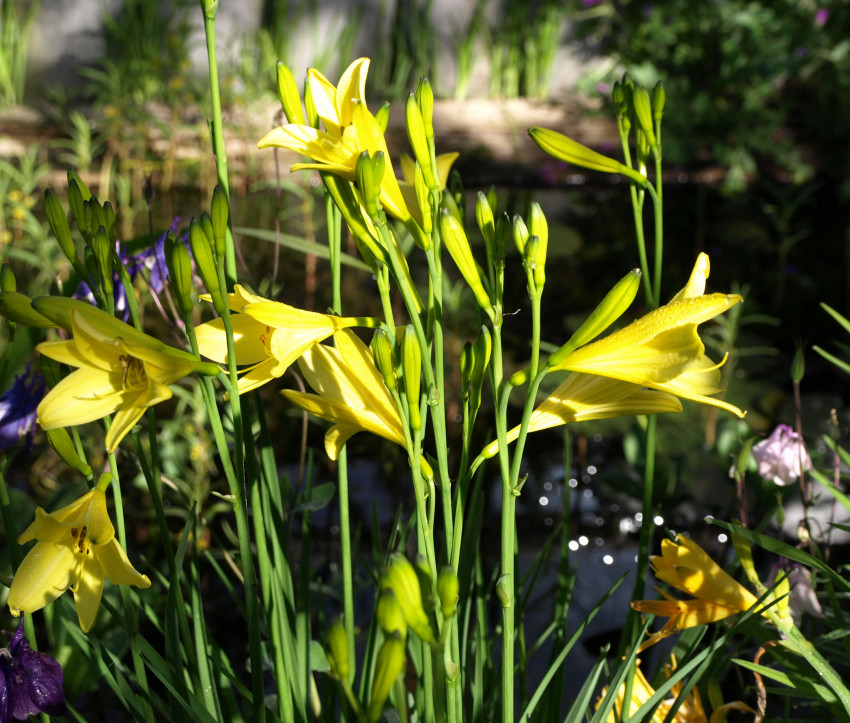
x=641 y=151
x=62 y=444
x=389 y=664
x=481 y=359
x=538 y=226
x=401 y=578
x=57 y=218
x=102 y=249
x=457 y=244
x=798 y=364
x=7 y=278
x=336 y=649
x=109 y=216
x=290 y=100
x=382 y=350
x=745 y=555
x=566 y=149
x=91 y=265
x=423 y=197
x=389 y=614
x=643 y=113
x=467 y=361
x=484 y=219
x=179 y=265
x=411 y=365
x=310 y=107
x=16 y=307
x=520 y=231
x=220 y=217
x=74 y=177
x=503 y=233
x=98 y=217
x=425 y=101
x=448 y=589
x=502 y=591
x=382 y=117
x=202 y=252
x=529 y=260
x=658 y=99
x=206 y=224
x=370 y=172
x=418 y=140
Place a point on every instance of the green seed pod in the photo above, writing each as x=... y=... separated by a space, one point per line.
x=389 y=614
x=389 y=664
x=57 y=218
x=411 y=365
x=207 y=225
x=336 y=649
x=202 y=252
x=448 y=590
x=287 y=91
x=98 y=216
x=220 y=217
x=83 y=188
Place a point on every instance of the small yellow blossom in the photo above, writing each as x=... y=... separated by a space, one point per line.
x=76 y=549
x=685 y=566
x=268 y=335
x=120 y=370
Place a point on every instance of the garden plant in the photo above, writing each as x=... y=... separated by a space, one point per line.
x=150 y=371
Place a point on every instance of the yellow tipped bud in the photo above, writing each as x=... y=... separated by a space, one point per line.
x=745 y=554
x=520 y=231
x=455 y=240
x=418 y=140
x=425 y=101
x=336 y=649
x=220 y=217
x=401 y=578
x=389 y=664
x=485 y=220
x=390 y=615
x=382 y=117
x=411 y=365
x=310 y=107
x=287 y=91
x=539 y=227
x=448 y=590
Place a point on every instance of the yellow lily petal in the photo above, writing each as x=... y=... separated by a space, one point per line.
x=117 y=567
x=83 y=396
x=324 y=100
x=123 y=421
x=45 y=573
x=351 y=87
x=88 y=590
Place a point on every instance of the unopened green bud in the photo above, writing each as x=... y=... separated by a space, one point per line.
x=643 y=113
x=370 y=172
x=389 y=664
x=58 y=221
x=17 y=307
x=411 y=365
x=798 y=365
x=532 y=249
x=658 y=99
x=103 y=253
x=538 y=226
x=502 y=591
x=206 y=224
x=418 y=140
x=91 y=263
x=109 y=216
x=401 y=578
x=220 y=217
x=481 y=359
x=520 y=231
x=606 y=313
x=619 y=99
x=641 y=151
x=346 y=201
x=62 y=444
x=382 y=351
x=425 y=100
x=287 y=91
x=467 y=361
x=73 y=176
x=566 y=149
x=457 y=244
x=77 y=202
x=389 y=614
x=7 y=278
x=98 y=216
x=382 y=117
x=202 y=252
x=310 y=107
x=336 y=649
x=448 y=590
x=179 y=265
x=423 y=197
x=485 y=220
x=504 y=231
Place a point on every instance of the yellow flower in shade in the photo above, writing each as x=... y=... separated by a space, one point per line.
x=685 y=566
x=76 y=549
x=350 y=392
x=268 y=335
x=349 y=130
x=121 y=369
x=584 y=397
x=662 y=350
x=690 y=711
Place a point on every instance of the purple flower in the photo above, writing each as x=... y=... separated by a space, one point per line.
x=821 y=16
x=782 y=457
x=18 y=406
x=591 y=3
x=30 y=682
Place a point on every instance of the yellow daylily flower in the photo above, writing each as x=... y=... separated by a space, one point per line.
x=350 y=392
x=662 y=350
x=121 y=369
x=685 y=566
x=350 y=129
x=268 y=335
x=76 y=549
x=585 y=397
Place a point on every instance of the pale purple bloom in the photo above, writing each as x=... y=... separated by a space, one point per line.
x=30 y=682
x=803 y=599
x=782 y=457
x=18 y=406
x=821 y=16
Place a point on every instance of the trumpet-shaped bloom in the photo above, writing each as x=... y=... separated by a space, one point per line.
x=120 y=370
x=782 y=457
x=351 y=393
x=584 y=397
x=662 y=350
x=76 y=549
x=268 y=336
x=685 y=566
x=350 y=129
